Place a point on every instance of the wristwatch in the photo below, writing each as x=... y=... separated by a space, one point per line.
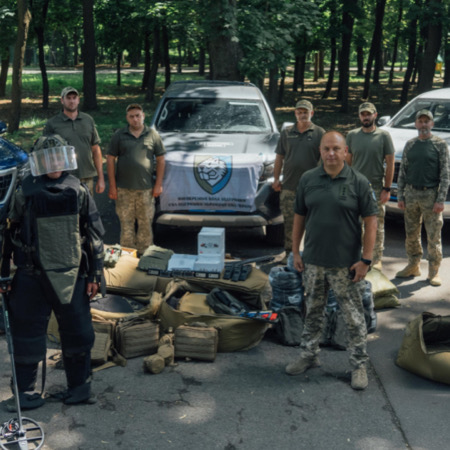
x=367 y=262
x=387 y=189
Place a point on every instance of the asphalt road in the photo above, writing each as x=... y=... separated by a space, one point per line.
x=244 y=400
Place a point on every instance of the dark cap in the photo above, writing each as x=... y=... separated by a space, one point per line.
x=424 y=112
x=304 y=104
x=68 y=90
x=367 y=106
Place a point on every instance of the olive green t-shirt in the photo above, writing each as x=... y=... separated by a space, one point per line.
x=300 y=152
x=135 y=157
x=368 y=152
x=333 y=208
x=82 y=134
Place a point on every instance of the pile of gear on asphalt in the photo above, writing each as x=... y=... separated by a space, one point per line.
x=167 y=312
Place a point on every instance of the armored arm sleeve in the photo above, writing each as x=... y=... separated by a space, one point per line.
x=93 y=231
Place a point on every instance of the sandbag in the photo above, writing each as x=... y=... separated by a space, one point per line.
x=136 y=337
x=384 y=291
x=235 y=333
x=125 y=279
x=196 y=342
x=430 y=360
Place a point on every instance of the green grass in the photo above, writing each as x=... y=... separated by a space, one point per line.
x=112 y=100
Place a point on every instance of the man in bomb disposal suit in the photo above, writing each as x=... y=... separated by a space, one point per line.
x=54 y=233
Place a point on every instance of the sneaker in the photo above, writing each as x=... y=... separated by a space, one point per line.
x=359 y=378
x=301 y=365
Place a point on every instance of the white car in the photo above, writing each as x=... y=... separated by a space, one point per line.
x=401 y=128
x=220 y=139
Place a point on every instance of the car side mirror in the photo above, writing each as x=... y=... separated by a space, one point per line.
x=286 y=125
x=383 y=120
x=2 y=127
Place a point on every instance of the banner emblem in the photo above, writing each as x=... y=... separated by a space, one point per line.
x=212 y=173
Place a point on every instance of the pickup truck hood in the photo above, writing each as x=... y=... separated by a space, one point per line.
x=11 y=155
x=225 y=143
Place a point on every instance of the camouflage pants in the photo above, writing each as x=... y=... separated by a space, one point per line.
x=418 y=209
x=287 y=199
x=379 y=240
x=135 y=206
x=317 y=280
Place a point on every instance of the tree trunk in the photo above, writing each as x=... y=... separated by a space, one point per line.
x=397 y=37
x=321 y=64
x=281 y=87
x=273 y=82
x=447 y=63
x=360 y=61
x=329 y=85
x=316 y=67
x=45 y=87
x=412 y=34
x=166 y=56
x=180 y=58
x=118 y=72
x=433 y=44
x=155 y=63
x=24 y=18
x=344 y=59
x=296 y=70
x=75 y=48
x=4 y=74
x=147 y=61
x=375 y=47
x=201 y=61
x=224 y=51
x=89 y=79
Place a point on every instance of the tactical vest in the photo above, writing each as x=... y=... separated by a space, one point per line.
x=50 y=231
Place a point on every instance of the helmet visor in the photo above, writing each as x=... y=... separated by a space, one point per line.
x=55 y=159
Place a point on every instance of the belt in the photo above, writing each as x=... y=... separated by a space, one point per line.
x=423 y=188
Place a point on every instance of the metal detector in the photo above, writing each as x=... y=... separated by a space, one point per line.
x=21 y=432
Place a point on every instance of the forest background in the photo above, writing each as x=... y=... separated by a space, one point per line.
x=334 y=53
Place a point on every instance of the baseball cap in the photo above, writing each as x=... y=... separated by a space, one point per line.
x=367 y=106
x=68 y=90
x=424 y=112
x=304 y=104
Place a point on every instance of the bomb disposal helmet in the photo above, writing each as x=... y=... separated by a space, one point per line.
x=52 y=154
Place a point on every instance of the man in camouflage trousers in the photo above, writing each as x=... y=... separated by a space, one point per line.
x=423 y=183
x=330 y=201
x=297 y=151
x=371 y=152
x=135 y=148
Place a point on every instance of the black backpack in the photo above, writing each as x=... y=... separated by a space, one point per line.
x=289 y=327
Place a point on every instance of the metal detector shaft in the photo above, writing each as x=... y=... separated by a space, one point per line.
x=4 y=284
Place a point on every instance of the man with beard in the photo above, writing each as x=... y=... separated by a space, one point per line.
x=79 y=130
x=370 y=150
x=423 y=183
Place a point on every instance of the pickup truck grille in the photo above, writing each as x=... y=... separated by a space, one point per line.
x=5 y=183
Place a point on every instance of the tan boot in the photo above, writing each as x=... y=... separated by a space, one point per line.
x=411 y=270
x=359 y=378
x=433 y=275
x=301 y=365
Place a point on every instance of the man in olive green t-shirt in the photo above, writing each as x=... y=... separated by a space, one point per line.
x=371 y=152
x=423 y=182
x=297 y=151
x=79 y=130
x=330 y=202
x=135 y=147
